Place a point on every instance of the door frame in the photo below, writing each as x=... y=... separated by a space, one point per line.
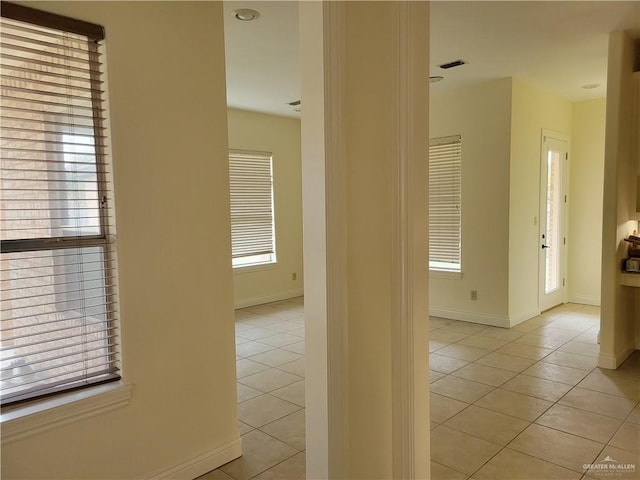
x=562 y=297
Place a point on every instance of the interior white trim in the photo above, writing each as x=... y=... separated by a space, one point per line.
x=401 y=326
x=256 y=267
x=336 y=240
x=611 y=361
x=523 y=317
x=549 y=137
x=585 y=299
x=450 y=275
x=48 y=414
x=201 y=463
x=324 y=226
x=272 y=297
x=409 y=348
x=493 y=320
x=483 y=318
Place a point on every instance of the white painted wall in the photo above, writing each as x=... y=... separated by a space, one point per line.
x=532 y=110
x=280 y=136
x=585 y=201
x=482 y=116
x=169 y=140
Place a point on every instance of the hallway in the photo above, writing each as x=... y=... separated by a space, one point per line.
x=521 y=403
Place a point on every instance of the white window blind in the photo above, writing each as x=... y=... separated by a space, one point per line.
x=445 y=192
x=58 y=303
x=252 y=219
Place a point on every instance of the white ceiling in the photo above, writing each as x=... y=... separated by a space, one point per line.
x=556 y=46
x=263 y=72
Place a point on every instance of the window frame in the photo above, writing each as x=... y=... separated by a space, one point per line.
x=104 y=239
x=442 y=267
x=270 y=257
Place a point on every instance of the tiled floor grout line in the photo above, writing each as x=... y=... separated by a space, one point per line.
x=297 y=450
x=451 y=373
x=533 y=337
x=583 y=473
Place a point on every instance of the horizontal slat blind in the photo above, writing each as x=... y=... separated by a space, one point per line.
x=445 y=197
x=59 y=308
x=251 y=191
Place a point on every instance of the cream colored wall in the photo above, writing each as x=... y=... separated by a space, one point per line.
x=618 y=316
x=378 y=143
x=532 y=110
x=481 y=114
x=500 y=206
x=369 y=205
x=168 y=116
x=585 y=201
x=281 y=137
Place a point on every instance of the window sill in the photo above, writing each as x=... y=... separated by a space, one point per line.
x=254 y=268
x=444 y=274
x=23 y=421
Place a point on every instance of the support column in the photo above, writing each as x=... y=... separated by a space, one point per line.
x=365 y=144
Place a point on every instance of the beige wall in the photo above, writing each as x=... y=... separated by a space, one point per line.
x=481 y=115
x=532 y=110
x=618 y=316
x=168 y=116
x=281 y=137
x=585 y=201
x=501 y=124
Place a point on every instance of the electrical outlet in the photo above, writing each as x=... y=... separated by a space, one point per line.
x=294 y=276
x=474 y=295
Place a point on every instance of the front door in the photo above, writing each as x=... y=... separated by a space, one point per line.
x=553 y=201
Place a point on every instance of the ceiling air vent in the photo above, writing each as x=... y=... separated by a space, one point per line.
x=455 y=63
x=297 y=105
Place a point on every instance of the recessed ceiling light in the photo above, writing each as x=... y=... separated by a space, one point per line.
x=246 y=14
x=435 y=79
x=590 y=86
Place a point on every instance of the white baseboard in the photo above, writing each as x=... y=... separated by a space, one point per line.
x=503 y=321
x=585 y=299
x=613 y=361
x=202 y=463
x=472 y=317
x=272 y=297
x=523 y=317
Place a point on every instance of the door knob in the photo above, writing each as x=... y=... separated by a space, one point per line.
x=546 y=246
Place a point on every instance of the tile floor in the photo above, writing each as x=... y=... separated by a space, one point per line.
x=506 y=404
x=270 y=369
